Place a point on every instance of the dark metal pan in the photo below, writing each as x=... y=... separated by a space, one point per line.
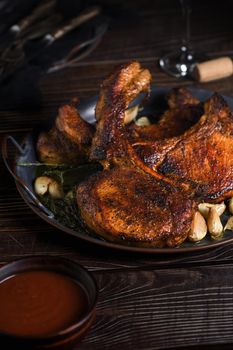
x=25 y=152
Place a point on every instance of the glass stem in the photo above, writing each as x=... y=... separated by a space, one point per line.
x=186 y=10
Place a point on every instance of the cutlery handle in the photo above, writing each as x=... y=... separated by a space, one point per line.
x=83 y=17
x=5 y=155
x=40 y=11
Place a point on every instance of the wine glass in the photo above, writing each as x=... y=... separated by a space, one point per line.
x=181 y=62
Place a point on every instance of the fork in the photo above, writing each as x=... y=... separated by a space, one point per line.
x=81 y=50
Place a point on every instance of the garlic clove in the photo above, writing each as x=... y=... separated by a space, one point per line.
x=198 y=228
x=41 y=185
x=214 y=224
x=204 y=208
x=55 y=190
x=231 y=205
x=46 y=184
x=70 y=194
x=142 y=121
x=130 y=114
x=229 y=224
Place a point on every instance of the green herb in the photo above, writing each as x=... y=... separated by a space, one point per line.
x=27 y=164
x=71 y=176
x=65 y=210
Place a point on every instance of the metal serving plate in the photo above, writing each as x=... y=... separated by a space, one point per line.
x=25 y=176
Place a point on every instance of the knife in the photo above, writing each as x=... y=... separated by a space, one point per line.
x=47 y=40
x=18 y=29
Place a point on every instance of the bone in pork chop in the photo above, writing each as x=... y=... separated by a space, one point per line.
x=110 y=143
x=124 y=205
x=202 y=156
x=151 y=191
x=199 y=161
x=68 y=141
x=184 y=111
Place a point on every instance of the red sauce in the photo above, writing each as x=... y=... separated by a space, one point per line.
x=38 y=303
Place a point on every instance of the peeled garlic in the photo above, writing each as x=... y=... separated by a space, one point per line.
x=229 y=224
x=46 y=184
x=231 y=206
x=198 y=228
x=55 y=190
x=142 y=121
x=214 y=224
x=41 y=184
x=130 y=114
x=70 y=195
x=204 y=208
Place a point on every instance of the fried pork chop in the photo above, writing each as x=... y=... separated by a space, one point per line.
x=184 y=111
x=153 y=177
x=113 y=143
x=181 y=97
x=110 y=143
x=202 y=156
x=199 y=161
x=68 y=142
x=150 y=191
x=124 y=204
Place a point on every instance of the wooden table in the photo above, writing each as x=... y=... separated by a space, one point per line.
x=145 y=301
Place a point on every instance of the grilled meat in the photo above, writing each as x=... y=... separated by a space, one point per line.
x=153 y=176
x=124 y=204
x=68 y=142
x=173 y=122
x=181 y=97
x=110 y=143
x=201 y=157
x=184 y=111
x=198 y=161
x=54 y=147
x=151 y=191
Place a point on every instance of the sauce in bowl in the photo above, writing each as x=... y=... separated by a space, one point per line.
x=46 y=303
x=40 y=303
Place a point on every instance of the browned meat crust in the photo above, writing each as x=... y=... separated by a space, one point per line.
x=181 y=97
x=184 y=111
x=149 y=195
x=173 y=122
x=199 y=160
x=202 y=156
x=125 y=205
x=68 y=142
x=117 y=91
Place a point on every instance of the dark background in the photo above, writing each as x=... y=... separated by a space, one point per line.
x=146 y=29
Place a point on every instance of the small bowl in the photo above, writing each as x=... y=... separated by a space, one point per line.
x=69 y=336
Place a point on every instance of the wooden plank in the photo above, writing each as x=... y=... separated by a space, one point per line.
x=162 y=309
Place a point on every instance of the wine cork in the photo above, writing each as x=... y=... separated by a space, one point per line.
x=214 y=69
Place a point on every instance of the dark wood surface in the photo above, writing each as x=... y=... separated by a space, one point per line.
x=145 y=301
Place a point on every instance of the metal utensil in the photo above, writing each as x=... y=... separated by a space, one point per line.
x=19 y=29
x=81 y=50
x=14 y=58
x=13 y=55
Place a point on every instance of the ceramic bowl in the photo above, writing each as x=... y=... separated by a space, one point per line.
x=66 y=338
